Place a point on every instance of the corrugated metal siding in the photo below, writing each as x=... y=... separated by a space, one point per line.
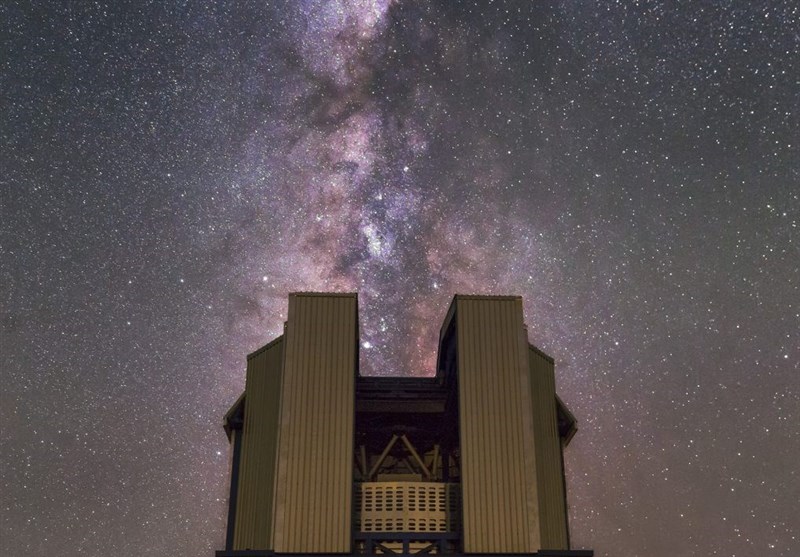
x=552 y=505
x=500 y=505
x=254 y=509
x=315 y=454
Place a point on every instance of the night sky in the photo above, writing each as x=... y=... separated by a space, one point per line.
x=169 y=172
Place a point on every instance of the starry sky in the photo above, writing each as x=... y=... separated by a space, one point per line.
x=170 y=171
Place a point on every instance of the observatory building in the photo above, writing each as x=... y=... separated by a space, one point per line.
x=326 y=461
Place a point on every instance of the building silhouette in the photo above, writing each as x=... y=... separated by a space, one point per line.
x=470 y=461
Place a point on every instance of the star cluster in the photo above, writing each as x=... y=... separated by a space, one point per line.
x=171 y=171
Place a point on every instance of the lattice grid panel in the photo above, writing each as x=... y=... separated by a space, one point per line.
x=407 y=507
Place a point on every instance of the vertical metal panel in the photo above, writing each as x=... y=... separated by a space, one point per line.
x=233 y=494
x=500 y=503
x=254 y=510
x=549 y=473
x=315 y=448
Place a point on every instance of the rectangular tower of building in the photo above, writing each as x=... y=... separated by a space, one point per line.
x=500 y=506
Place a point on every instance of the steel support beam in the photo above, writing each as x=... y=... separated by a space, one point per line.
x=414 y=454
x=377 y=465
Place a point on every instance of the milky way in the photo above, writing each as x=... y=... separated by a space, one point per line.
x=169 y=173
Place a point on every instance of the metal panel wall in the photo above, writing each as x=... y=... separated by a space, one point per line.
x=254 y=508
x=549 y=473
x=315 y=450
x=500 y=505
